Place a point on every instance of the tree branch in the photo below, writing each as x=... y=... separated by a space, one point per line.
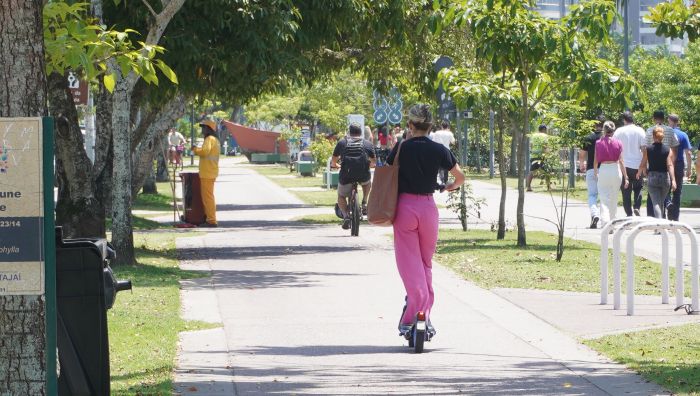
x=150 y=9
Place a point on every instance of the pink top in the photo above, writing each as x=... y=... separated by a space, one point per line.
x=608 y=149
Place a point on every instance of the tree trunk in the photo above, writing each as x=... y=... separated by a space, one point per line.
x=22 y=94
x=149 y=185
x=104 y=155
x=152 y=133
x=162 y=174
x=501 y=234
x=122 y=231
x=77 y=210
x=560 y=244
x=522 y=148
x=513 y=164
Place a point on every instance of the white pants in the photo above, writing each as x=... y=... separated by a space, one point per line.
x=609 y=180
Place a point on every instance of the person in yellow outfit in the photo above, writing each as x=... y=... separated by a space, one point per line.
x=208 y=169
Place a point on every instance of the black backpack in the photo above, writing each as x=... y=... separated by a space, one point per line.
x=355 y=162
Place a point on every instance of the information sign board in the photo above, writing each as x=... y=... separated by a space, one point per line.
x=357 y=119
x=21 y=207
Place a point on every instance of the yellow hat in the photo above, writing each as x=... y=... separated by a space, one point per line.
x=209 y=122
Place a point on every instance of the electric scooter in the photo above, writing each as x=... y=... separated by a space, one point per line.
x=418 y=333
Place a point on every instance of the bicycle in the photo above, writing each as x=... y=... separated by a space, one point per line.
x=355 y=211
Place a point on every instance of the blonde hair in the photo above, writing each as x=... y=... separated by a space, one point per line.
x=609 y=126
x=658 y=134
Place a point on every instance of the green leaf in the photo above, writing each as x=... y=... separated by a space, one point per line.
x=109 y=82
x=167 y=71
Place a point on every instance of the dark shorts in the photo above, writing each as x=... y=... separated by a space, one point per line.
x=535 y=164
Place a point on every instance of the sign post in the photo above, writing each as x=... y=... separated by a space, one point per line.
x=27 y=236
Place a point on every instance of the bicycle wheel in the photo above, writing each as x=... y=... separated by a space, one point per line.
x=356 y=215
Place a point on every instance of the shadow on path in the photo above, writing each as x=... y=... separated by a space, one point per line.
x=532 y=377
x=267 y=225
x=232 y=207
x=249 y=279
x=253 y=252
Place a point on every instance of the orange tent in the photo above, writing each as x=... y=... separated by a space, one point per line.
x=253 y=140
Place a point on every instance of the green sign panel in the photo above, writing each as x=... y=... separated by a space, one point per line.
x=27 y=244
x=21 y=207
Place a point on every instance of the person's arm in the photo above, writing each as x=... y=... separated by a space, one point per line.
x=697 y=169
x=687 y=161
x=581 y=158
x=336 y=155
x=207 y=147
x=673 y=154
x=595 y=164
x=643 y=165
x=370 y=155
x=671 y=173
x=458 y=178
x=623 y=171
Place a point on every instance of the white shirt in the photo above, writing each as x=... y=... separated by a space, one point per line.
x=633 y=141
x=443 y=136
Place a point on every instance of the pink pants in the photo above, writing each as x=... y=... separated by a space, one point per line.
x=415 y=238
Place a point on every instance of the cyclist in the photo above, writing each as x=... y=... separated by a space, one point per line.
x=176 y=144
x=356 y=156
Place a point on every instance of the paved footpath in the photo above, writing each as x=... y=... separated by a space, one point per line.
x=308 y=309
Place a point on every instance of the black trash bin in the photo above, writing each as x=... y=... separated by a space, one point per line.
x=85 y=290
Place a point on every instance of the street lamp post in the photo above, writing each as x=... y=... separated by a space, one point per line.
x=192 y=133
x=626 y=35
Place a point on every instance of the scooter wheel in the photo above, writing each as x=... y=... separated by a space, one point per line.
x=418 y=341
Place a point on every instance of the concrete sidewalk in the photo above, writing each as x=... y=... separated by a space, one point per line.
x=308 y=309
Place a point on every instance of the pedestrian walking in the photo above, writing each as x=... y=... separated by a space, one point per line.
x=538 y=141
x=368 y=134
x=416 y=221
x=669 y=139
x=609 y=169
x=680 y=168
x=585 y=158
x=445 y=137
x=208 y=169
x=661 y=176
x=633 y=141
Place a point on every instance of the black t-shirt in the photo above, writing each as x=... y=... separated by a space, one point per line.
x=419 y=162
x=589 y=148
x=340 y=149
x=657 y=155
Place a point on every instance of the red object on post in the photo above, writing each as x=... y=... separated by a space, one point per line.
x=193 y=210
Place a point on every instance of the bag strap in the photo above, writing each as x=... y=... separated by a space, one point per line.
x=398 y=151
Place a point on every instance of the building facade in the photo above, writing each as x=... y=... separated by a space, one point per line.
x=641 y=33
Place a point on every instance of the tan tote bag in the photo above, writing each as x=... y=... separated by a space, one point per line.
x=381 y=205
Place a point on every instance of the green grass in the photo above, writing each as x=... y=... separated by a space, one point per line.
x=579 y=192
x=162 y=201
x=281 y=175
x=317 y=198
x=318 y=219
x=144 y=325
x=669 y=356
x=141 y=224
x=479 y=257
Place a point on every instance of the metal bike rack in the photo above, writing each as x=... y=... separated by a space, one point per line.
x=637 y=225
x=622 y=225
x=615 y=227
x=666 y=226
